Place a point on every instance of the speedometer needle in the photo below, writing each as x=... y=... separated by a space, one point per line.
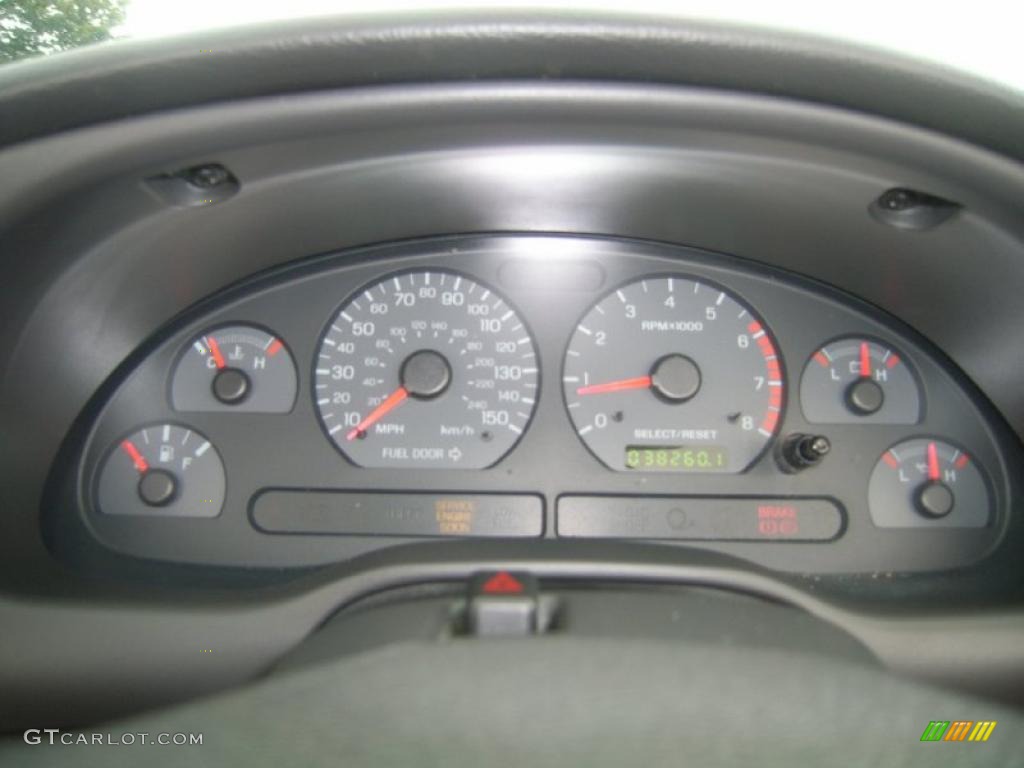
x=641 y=382
x=393 y=400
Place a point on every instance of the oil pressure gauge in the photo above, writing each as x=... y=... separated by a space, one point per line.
x=235 y=368
x=926 y=482
x=856 y=380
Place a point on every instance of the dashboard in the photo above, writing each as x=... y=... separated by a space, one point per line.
x=706 y=337
x=527 y=386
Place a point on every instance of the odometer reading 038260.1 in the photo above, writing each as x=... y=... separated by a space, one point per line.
x=425 y=369
x=671 y=374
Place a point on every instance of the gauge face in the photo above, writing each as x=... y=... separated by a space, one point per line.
x=928 y=483
x=235 y=368
x=673 y=374
x=162 y=469
x=856 y=380
x=426 y=369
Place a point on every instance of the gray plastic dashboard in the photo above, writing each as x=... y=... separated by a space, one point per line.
x=772 y=182
x=101 y=267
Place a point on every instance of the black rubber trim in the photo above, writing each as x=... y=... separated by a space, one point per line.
x=130 y=78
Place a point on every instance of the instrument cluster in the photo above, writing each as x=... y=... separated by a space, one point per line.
x=541 y=387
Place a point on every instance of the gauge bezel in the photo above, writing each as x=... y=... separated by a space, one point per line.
x=736 y=296
x=94 y=484
x=922 y=394
x=389 y=275
x=994 y=521
x=187 y=345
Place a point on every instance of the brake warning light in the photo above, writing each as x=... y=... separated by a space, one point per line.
x=777 y=520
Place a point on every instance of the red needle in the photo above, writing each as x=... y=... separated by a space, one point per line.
x=218 y=358
x=933 y=463
x=133 y=453
x=393 y=400
x=865 y=360
x=641 y=382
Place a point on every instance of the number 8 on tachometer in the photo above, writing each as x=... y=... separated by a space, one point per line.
x=671 y=374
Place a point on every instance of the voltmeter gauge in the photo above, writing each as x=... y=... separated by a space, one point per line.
x=235 y=368
x=856 y=380
x=162 y=469
x=926 y=482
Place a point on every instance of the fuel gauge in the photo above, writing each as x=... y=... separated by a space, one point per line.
x=856 y=380
x=162 y=469
x=237 y=368
x=926 y=482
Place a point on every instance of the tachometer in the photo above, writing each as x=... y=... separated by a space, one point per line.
x=673 y=374
x=426 y=369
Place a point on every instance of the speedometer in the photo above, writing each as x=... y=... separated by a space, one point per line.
x=673 y=374
x=425 y=369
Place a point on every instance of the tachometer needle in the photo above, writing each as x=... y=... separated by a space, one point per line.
x=393 y=400
x=218 y=358
x=641 y=382
x=865 y=360
x=933 y=463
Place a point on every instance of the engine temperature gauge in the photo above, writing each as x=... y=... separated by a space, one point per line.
x=238 y=368
x=859 y=381
x=925 y=483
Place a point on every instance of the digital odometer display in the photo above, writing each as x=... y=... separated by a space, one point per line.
x=679 y=371
x=677 y=458
x=425 y=369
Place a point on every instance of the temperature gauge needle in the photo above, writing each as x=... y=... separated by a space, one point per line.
x=218 y=358
x=393 y=400
x=933 y=463
x=641 y=382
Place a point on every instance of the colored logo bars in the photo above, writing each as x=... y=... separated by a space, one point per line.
x=958 y=730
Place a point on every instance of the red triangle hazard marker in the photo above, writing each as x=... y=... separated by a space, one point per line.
x=502 y=583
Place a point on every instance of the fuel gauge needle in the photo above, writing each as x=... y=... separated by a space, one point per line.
x=133 y=453
x=640 y=382
x=393 y=400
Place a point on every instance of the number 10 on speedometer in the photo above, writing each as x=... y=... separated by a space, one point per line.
x=672 y=374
